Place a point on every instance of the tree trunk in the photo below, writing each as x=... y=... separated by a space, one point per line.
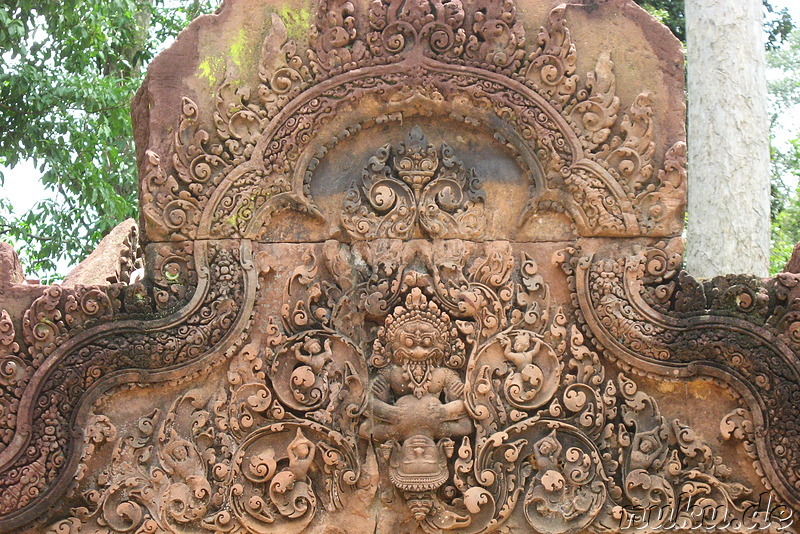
x=728 y=228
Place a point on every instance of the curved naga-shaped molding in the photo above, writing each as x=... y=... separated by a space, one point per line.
x=482 y=402
x=81 y=342
x=739 y=329
x=472 y=63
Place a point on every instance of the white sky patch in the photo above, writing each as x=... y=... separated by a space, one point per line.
x=22 y=186
x=787 y=126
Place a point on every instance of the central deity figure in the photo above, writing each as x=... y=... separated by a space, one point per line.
x=417 y=404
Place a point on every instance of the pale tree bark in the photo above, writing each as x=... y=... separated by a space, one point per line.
x=728 y=228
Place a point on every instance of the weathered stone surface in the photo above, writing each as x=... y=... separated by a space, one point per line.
x=409 y=267
x=278 y=114
x=793 y=265
x=114 y=259
x=10 y=268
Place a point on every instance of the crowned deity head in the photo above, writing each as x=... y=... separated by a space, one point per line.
x=418 y=334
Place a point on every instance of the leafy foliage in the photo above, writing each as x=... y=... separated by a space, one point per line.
x=785 y=90
x=786 y=223
x=777 y=22
x=785 y=95
x=68 y=72
x=670 y=13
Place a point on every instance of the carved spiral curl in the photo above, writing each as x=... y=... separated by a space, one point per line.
x=398 y=36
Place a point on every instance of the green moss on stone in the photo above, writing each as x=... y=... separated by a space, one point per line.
x=239 y=48
x=297 y=21
x=211 y=69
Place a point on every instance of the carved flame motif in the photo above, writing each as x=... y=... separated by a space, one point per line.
x=400 y=26
x=414 y=190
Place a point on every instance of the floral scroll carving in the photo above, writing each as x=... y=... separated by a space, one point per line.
x=333 y=325
x=72 y=356
x=468 y=395
x=478 y=54
x=739 y=329
x=413 y=190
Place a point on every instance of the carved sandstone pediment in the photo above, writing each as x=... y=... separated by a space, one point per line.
x=410 y=267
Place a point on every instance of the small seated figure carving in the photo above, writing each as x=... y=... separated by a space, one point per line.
x=309 y=381
x=290 y=488
x=533 y=371
x=313 y=354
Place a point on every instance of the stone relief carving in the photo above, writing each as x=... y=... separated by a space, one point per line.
x=412 y=191
x=253 y=163
x=410 y=362
x=71 y=357
x=656 y=318
x=468 y=398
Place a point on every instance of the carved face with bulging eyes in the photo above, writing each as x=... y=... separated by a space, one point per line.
x=418 y=341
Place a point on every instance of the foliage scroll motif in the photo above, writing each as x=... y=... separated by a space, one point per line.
x=416 y=365
x=228 y=180
x=412 y=190
x=739 y=329
x=82 y=341
x=467 y=394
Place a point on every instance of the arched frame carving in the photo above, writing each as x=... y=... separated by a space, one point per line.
x=262 y=152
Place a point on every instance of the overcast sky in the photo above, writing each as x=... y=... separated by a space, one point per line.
x=23 y=189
